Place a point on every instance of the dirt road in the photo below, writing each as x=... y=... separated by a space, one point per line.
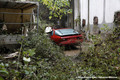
x=75 y=50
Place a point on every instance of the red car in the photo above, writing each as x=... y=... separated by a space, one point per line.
x=66 y=36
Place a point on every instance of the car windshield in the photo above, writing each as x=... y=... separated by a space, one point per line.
x=64 y=32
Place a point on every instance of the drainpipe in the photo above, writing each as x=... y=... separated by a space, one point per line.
x=37 y=15
x=104 y=7
x=79 y=15
x=88 y=16
x=73 y=12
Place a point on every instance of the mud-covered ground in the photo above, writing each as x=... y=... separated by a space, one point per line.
x=75 y=50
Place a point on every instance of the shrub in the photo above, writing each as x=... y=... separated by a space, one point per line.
x=39 y=58
x=103 y=59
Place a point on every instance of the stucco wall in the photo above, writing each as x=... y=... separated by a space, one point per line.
x=103 y=9
x=111 y=7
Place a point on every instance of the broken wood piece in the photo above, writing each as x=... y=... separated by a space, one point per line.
x=12 y=55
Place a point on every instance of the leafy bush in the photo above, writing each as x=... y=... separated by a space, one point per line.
x=50 y=58
x=39 y=58
x=103 y=58
x=43 y=46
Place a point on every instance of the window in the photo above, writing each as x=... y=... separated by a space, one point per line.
x=83 y=22
x=63 y=32
x=95 y=20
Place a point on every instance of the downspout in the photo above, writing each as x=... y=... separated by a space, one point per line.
x=88 y=16
x=104 y=7
x=73 y=12
x=79 y=15
x=37 y=15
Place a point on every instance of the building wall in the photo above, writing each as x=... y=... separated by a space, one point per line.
x=111 y=7
x=103 y=9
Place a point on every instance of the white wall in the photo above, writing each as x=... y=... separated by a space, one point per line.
x=76 y=9
x=97 y=9
x=111 y=7
x=84 y=9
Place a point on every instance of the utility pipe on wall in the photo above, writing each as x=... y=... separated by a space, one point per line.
x=37 y=15
x=79 y=14
x=89 y=16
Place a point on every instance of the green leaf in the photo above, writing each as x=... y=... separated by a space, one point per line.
x=50 y=17
x=22 y=37
x=118 y=49
x=26 y=72
x=31 y=52
x=1 y=78
x=57 y=7
x=4 y=71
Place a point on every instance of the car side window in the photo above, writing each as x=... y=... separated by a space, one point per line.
x=56 y=33
x=52 y=32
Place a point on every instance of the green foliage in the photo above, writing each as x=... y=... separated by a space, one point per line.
x=106 y=28
x=3 y=69
x=57 y=7
x=29 y=52
x=102 y=59
x=1 y=78
x=119 y=50
x=40 y=59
